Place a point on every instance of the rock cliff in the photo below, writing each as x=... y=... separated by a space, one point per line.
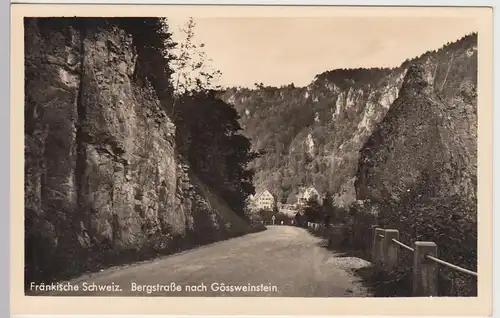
x=313 y=134
x=418 y=170
x=420 y=137
x=430 y=131
x=103 y=179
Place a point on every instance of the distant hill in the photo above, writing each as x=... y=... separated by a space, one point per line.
x=313 y=134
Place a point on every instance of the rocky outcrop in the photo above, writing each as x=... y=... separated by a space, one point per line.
x=429 y=135
x=418 y=141
x=103 y=180
x=313 y=135
x=358 y=109
x=418 y=170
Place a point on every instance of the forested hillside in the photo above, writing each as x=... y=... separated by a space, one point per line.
x=313 y=134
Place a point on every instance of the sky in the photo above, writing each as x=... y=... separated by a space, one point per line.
x=282 y=50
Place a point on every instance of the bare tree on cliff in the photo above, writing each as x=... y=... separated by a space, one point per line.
x=192 y=68
x=207 y=128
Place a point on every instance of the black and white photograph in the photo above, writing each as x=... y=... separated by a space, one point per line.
x=251 y=156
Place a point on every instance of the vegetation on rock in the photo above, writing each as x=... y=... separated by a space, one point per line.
x=105 y=181
x=208 y=136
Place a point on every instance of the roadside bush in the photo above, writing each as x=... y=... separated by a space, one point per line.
x=450 y=223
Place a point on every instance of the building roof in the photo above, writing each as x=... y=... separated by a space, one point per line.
x=265 y=191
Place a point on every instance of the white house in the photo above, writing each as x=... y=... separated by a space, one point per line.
x=305 y=194
x=264 y=200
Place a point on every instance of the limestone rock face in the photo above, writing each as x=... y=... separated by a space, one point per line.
x=313 y=134
x=102 y=175
x=340 y=109
x=418 y=170
x=418 y=141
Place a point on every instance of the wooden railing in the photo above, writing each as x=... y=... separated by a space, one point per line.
x=386 y=249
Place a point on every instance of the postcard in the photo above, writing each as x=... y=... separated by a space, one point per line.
x=280 y=160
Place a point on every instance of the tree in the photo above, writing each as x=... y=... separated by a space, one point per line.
x=251 y=214
x=313 y=211
x=208 y=135
x=328 y=209
x=266 y=215
x=153 y=42
x=207 y=128
x=191 y=65
x=300 y=219
x=275 y=209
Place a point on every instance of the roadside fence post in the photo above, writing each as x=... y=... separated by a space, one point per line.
x=390 y=249
x=377 y=245
x=425 y=271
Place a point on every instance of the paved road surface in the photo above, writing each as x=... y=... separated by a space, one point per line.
x=286 y=260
